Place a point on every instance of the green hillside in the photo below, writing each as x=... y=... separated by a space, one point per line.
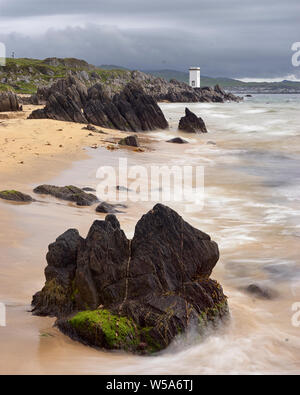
x=26 y=75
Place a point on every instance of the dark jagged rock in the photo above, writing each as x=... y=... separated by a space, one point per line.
x=132 y=141
x=191 y=123
x=57 y=296
x=60 y=108
x=108 y=208
x=9 y=102
x=108 y=291
x=15 y=196
x=177 y=140
x=69 y=86
x=69 y=193
x=130 y=110
x=64 y=101
x=100 y=109
x=139 y=109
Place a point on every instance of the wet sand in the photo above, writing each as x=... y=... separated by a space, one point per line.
x=33 y=149
x=246 y=211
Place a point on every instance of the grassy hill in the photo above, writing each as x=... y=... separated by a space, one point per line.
x=24 y=75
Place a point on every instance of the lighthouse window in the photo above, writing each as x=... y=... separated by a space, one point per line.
x=193 y=83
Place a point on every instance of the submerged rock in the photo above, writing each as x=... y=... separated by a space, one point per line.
x=177 y=140
x=191 y=123
x=261 y=291
x=108 y=208
x=9 y=102
x=69 y=193
x=131 y=141
x=137 y=295
x=15 y=196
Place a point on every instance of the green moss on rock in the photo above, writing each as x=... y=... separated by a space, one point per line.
x=107 y=329
x=213 y=314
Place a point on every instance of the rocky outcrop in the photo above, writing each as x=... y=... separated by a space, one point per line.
x=191 y=123
x=69 y=86
x=9 y=102
x=179 y=92
x=158 y=88
x=15 y=196
x=69 y=193
x=130 y=110
x=137 y=295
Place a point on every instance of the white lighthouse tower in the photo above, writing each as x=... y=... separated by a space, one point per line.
x=195 y=77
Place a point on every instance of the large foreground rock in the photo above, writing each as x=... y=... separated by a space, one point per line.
x=137 y=295
x=9 y=102
x=129 y=110
x=191 y=123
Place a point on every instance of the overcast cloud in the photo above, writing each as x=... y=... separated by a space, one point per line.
x=233 y=38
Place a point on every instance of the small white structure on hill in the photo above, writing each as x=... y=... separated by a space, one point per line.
x=195 y=77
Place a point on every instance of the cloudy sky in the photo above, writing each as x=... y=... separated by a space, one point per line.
x=231 y=38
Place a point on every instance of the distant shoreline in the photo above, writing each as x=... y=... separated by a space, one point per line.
x=241 y=92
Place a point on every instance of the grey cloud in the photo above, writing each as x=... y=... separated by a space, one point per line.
x=225 y=37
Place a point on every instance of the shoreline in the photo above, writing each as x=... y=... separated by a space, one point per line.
x=33 y=150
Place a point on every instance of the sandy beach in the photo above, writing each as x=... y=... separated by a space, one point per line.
x=38 y=149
